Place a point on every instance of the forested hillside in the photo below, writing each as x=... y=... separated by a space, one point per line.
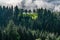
x=23 y=24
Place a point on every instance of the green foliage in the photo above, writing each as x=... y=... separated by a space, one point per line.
x=34 y=16
x=20 y=24
x=21 y=33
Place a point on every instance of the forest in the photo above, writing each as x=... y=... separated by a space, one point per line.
x=23 y=24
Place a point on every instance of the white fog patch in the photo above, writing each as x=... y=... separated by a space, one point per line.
x=10 y=2
x=43 y=4
x=57 y=8
x=31 y=4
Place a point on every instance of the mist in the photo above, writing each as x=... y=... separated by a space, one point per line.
x=33 y=4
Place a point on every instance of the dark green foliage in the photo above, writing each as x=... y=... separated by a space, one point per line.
x=29 y=11
x=25 y=10
x=15 y=26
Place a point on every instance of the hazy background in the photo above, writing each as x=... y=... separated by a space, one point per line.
x=32 y=4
